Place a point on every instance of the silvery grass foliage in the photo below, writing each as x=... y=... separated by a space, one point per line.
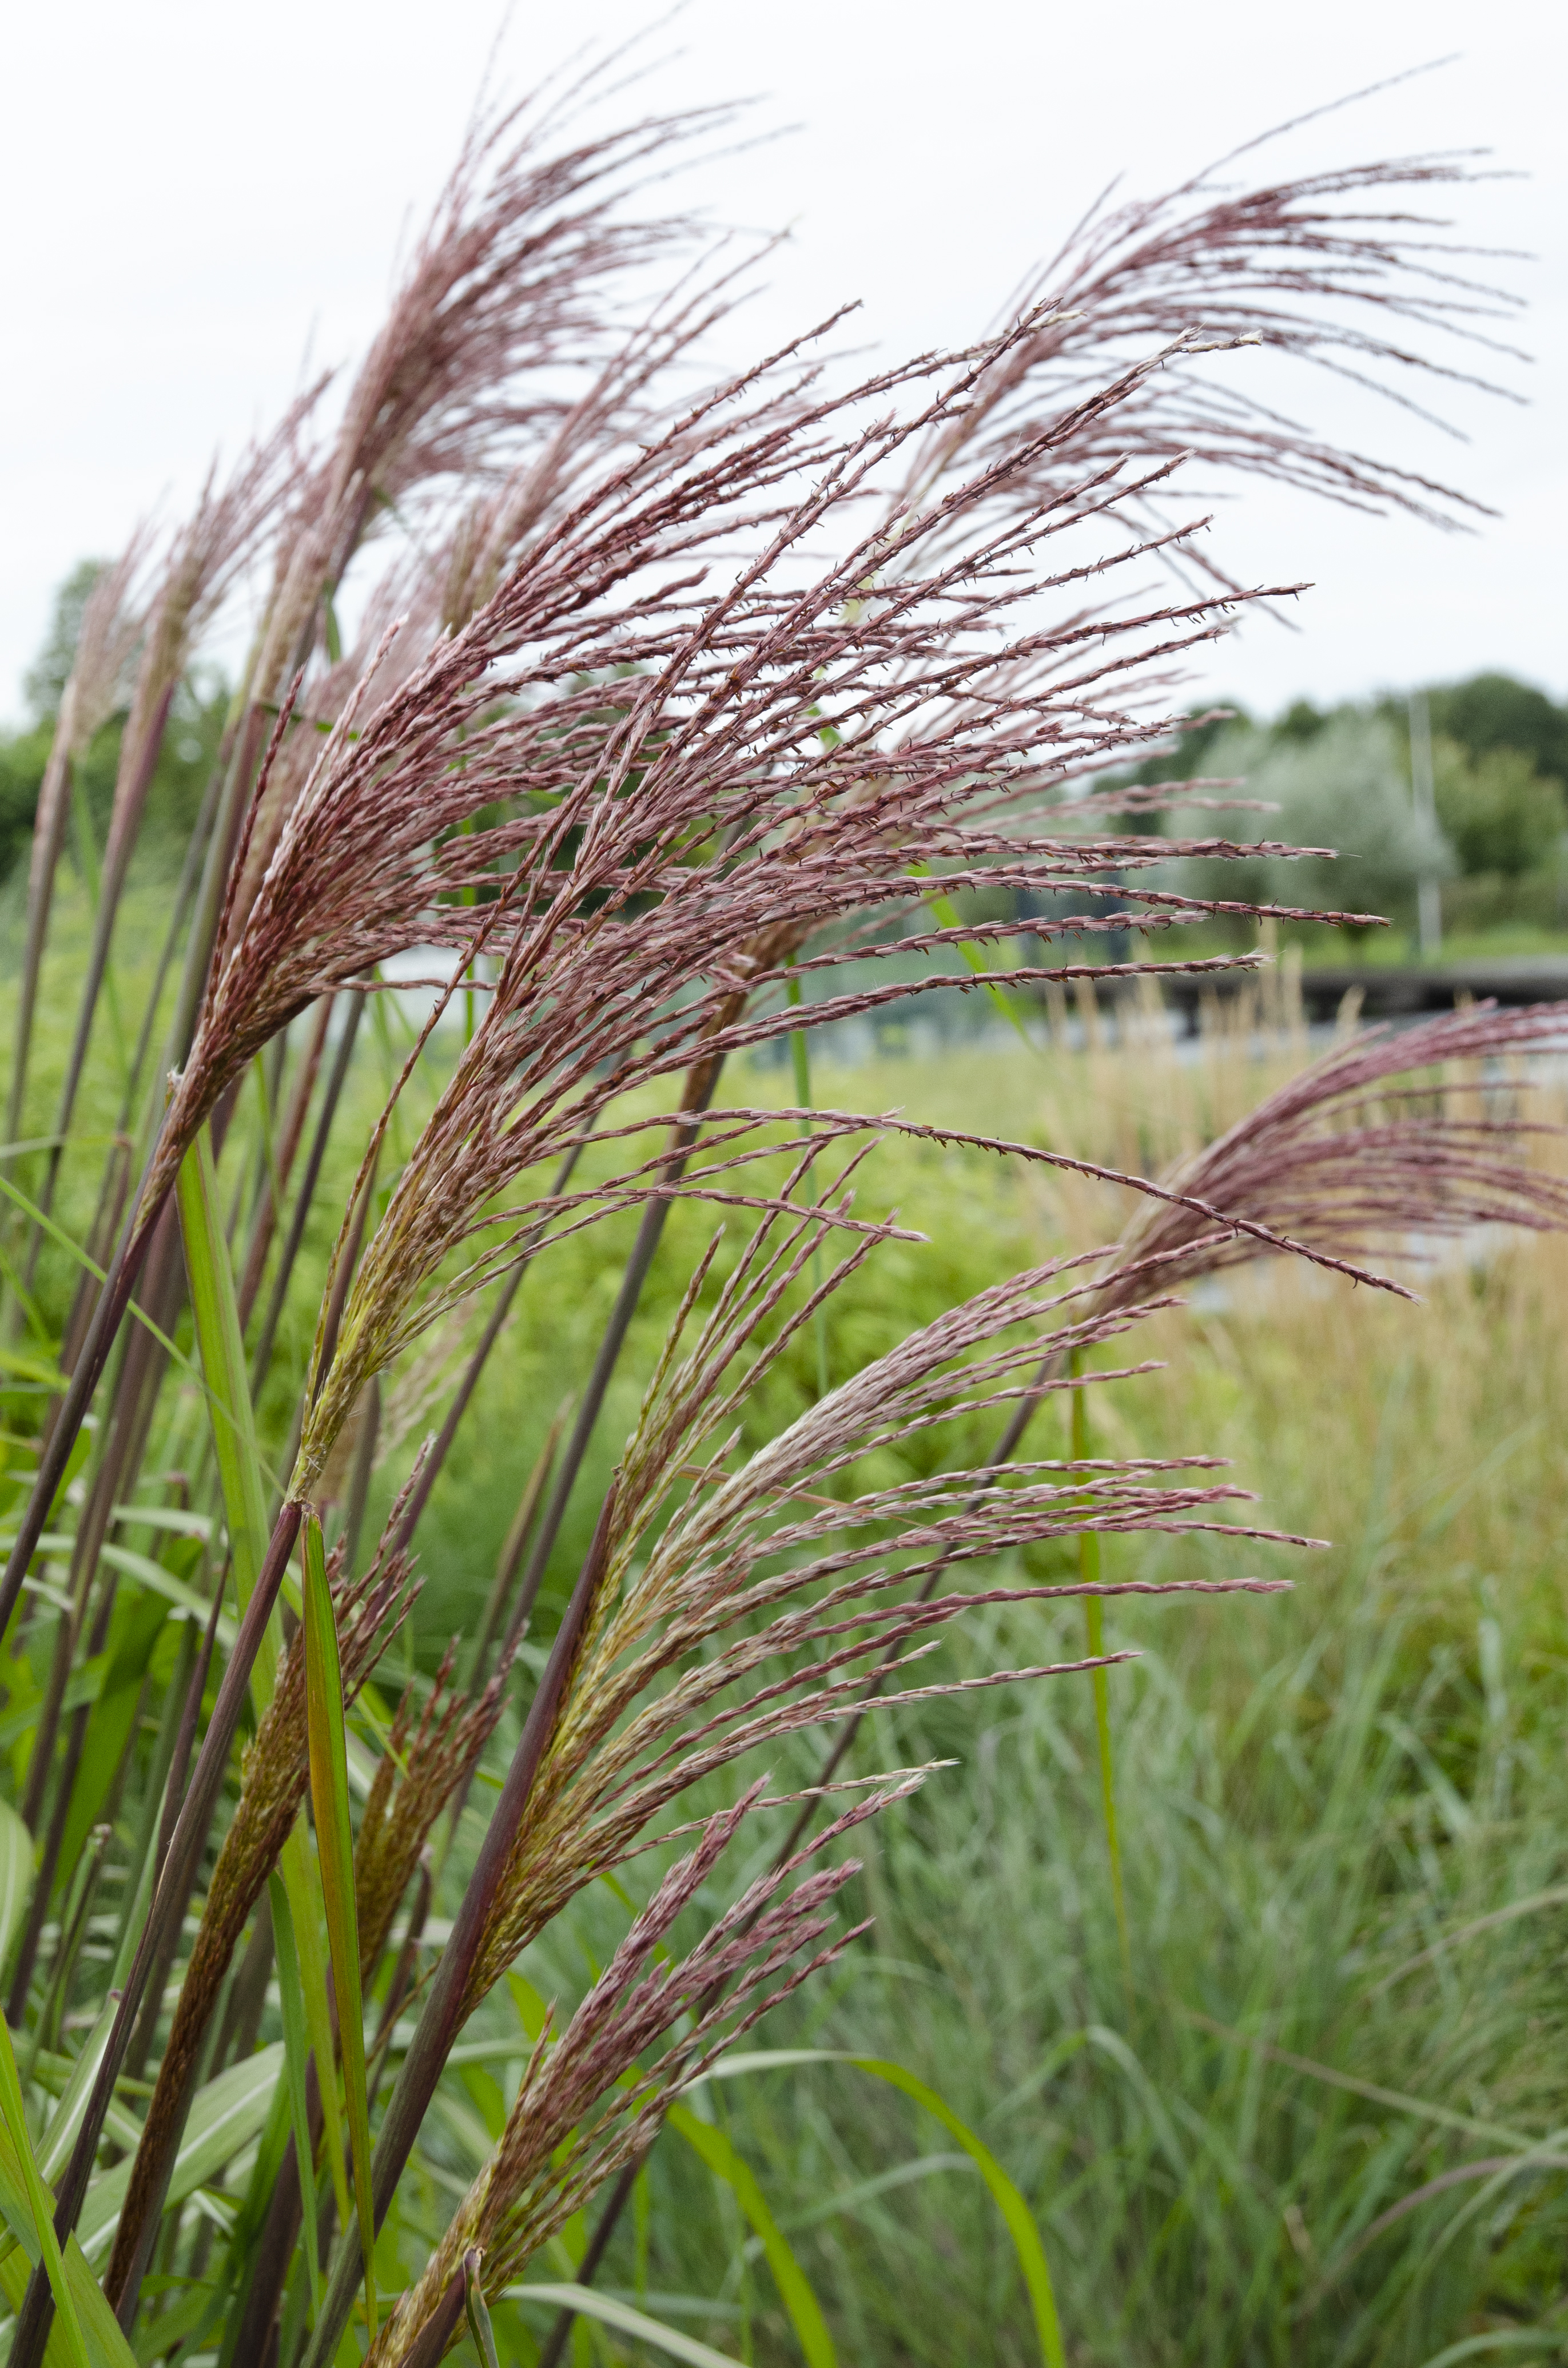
x=687 y=688
x=1348 y=788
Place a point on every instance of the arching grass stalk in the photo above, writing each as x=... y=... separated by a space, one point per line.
x=204 y=561
x=111 y=622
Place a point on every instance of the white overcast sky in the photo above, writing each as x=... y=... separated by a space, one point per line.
x=194 y=193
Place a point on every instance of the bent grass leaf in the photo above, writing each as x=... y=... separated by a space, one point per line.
x=216 y=1313
x=89 y=1265
x=217 y=1317
x=224 y=2117
x=590 y=2303
x=168 y=1517
x=159 y=1581
x=1015 y=2212
x=106 y=2346
x=794 y=2286
x=55 y=2146
x=41 y=2203
x=131 y=1566
x=108 y=1729
x=334 y=1844
x=1505 y=2338
x=32 y=1369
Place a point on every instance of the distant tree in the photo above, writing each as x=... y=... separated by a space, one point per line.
x=22 y=760
x=185 y=762
x=1497 y=812
x=1493 y=710
x=1190 y=754
x=1301 y=721
x=1344 y=787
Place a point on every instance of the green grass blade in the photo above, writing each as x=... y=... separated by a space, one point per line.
x=41 y=2203
x=296 y=2055
x=217 y=1317
x=794 y=2286
x=142 y=1875
x=159 y=1581
x=135 y=1312
x=15 y=1877
x=110 y=1725
x=33 y=1369
x=1015 y=2212
x=106 y=2346
x=256 y=2202
x=181 y=2324
x=335 y=1845
x=944 y=912
x=621 y=2317
x=1094 y=1622
x=224 y=2117
x=297 y=1868
x=59 y=2135
x=1503 y=2338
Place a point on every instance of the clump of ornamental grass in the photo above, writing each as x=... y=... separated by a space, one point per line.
x=690 y=687
x=666 y=824
x=464 y=320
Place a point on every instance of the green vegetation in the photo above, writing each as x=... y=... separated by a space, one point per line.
x=185 y=757
x=1341 y=778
